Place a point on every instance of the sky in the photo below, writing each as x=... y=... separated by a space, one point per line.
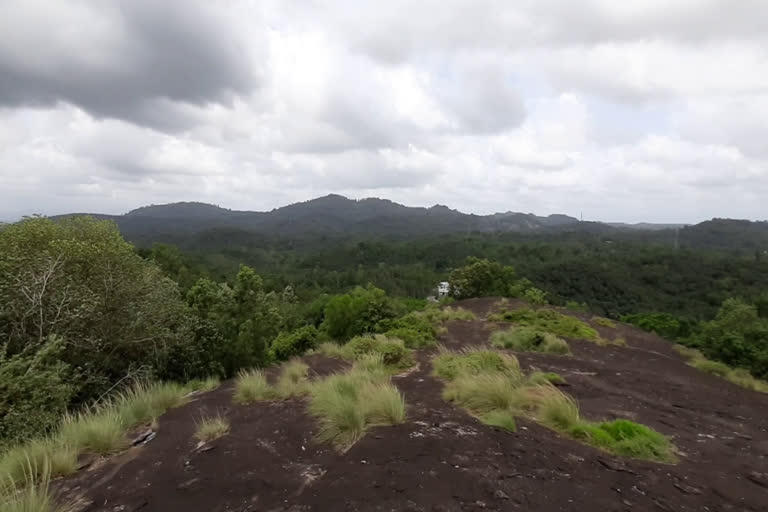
x=618 y=111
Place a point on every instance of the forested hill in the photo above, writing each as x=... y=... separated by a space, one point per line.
x=328 y=215
x=333 y=217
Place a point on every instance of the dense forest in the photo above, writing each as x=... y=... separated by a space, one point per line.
x=85 y=313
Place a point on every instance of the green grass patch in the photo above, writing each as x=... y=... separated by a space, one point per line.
x=739 y=376
x=538 y=377
x=493 y=389
x=252 y=386
x=449 y=364
x=211 y=428
x=31 y=493
x=547 y=320
x=450 y=314
x=347 y=404
x=293 y=379
x=30 y=460
x=202 y=385
x=529 y=339
x=102 y=432
x=605 y=322
x=394 y=354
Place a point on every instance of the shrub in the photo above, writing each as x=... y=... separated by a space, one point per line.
x=208 y=384
x=212 y=428
x=547 y=320
x=102 y=432
x=739 y=376
x=576 y=306
x=482 y=278
x=449 y=365
x=252 y=386
x=331 y=349
x=527 y=339
x=417 y=329
x=535 y=296
x=363 y=310
x=293 y=379
x=295 y=343
x=393 y=351
x=605 y=322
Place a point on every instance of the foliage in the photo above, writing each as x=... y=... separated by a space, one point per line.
x=739 y=376
x=290 y=344
x=363 y=310
x=528 y=339
x=538 y=377
x=535 y=296
x=482 y=278
x=80 y=312
x=547 y=320
x=393 y=352
x=244 y=314
x=737 y=336
x=30 y=493
x=664 y=324
x=211 y=428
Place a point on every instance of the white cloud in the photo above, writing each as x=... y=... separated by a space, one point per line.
x=624 y=110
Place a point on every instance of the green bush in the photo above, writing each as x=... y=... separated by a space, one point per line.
x=417 y=329
x=605 y=322
x=361 y=311
x=393 y=352
x=288 y=345
x=528 y=339
x=482 y=278
x=35 y=391
x=547 y=320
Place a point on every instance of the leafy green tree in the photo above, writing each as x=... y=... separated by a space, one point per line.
x=482 y=278
x=290 y=344
x=360 y=311
x=245 y=315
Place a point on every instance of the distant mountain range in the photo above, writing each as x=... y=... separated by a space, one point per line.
x=334 y=216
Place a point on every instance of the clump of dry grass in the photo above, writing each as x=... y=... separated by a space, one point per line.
x=211 y=428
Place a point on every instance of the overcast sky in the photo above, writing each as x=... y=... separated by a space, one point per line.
x=652 y=110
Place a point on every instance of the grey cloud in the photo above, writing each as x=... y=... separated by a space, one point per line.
x=165 y=52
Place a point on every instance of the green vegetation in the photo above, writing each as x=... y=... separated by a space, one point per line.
x=348 y=404
x=494 y=389
x=293 y=379
x=393 y=352
x=549 y=321
x=605 y=322
x=528 y=339
x=211 y=428
x=290 y=344
x=545 y=377
x=252 y=386
x=738 y=376
x=31 y=493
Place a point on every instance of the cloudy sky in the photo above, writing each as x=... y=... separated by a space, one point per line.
x=654 y=110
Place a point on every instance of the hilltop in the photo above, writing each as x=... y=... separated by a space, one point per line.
x=443 y=458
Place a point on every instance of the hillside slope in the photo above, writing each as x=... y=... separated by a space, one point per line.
x=443 y=459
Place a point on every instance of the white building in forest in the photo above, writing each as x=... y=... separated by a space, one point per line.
x=443 y=289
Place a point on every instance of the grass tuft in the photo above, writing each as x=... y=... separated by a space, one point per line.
x=450 y=314
x=449 y=365
x=293 y=379
x=31 y=493
x=739 y=376
x=101 y=432
x=252 y=386
x=605 y=322
x=347 y=404
x=501 y=419
x=202 y=385
x=539 y=378
x=528 y=339
x=211 y=428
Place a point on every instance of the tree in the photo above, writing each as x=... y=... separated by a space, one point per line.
x=245 y=315
x=482 y=278
x=360 y=311
x=74 y=285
